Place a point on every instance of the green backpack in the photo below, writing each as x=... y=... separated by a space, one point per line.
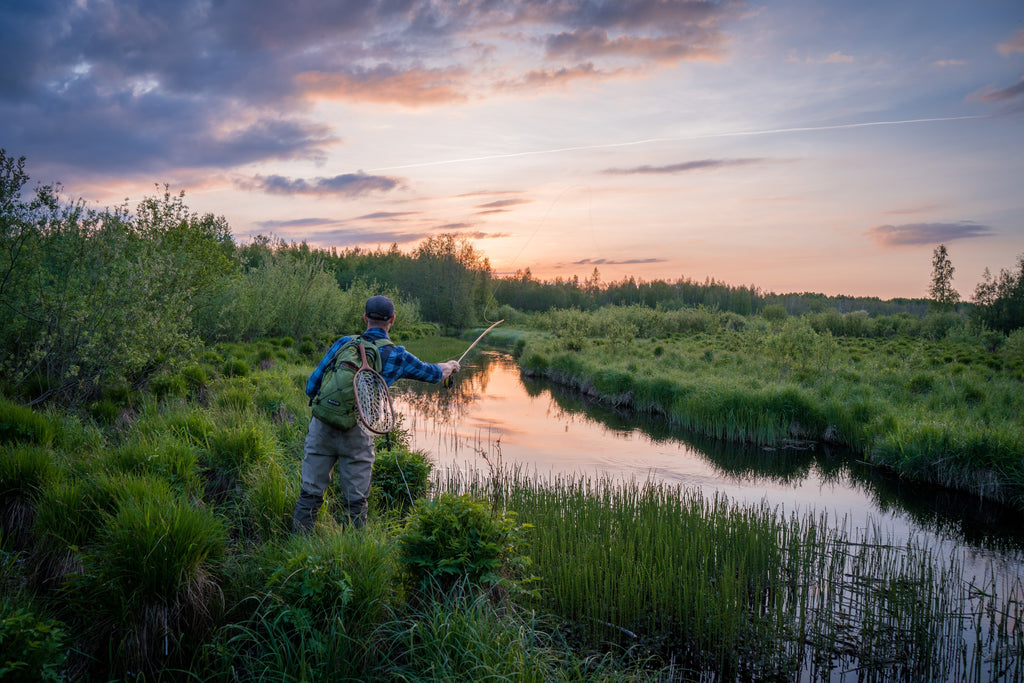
x=335 y=402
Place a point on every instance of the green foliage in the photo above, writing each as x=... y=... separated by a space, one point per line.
x=450 y=280
x=279 y=296
x=400 y=477
x=457 y=539
x=102 y=297
x=19 y=424
x=167 y=385
x=235 y=367
x=32 y=649
x=999 y=300
x=774 y=313
x=166 y=456
x=455 y=639
x=1013 y=353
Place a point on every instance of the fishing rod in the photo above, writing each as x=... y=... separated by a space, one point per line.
x=448 y=379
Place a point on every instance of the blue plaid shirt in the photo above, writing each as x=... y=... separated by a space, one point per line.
x=398 y=364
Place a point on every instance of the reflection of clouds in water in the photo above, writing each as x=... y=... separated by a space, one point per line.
x=550 y=431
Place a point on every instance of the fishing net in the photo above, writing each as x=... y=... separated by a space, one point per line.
x=373 y=401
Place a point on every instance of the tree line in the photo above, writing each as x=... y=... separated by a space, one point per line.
x=94 y=297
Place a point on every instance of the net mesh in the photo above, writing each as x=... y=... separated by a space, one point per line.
x=373 y=402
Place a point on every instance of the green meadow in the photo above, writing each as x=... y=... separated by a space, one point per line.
x=148 y=539
x=943 y=410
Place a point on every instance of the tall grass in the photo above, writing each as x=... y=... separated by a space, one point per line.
x=945 y=412
x=747 y=592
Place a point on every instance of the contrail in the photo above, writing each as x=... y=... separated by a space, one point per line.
x=648 y=141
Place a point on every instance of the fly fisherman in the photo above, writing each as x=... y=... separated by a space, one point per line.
x=351 y=450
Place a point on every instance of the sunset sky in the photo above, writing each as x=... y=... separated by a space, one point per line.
x=791 y=145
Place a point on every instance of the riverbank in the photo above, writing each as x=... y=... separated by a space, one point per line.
x=943 y=412
x=153 y=537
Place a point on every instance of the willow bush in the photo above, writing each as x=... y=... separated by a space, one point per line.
x=94 y=298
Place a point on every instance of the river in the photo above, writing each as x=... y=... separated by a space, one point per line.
x=493 y=412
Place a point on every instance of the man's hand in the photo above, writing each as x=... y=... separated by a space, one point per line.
x=448 y=368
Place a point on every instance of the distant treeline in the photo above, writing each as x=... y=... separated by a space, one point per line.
x=525 y=293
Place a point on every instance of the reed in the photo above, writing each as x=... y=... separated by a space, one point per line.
x=746 y=591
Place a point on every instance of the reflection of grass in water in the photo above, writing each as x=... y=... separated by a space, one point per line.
x=740 y=591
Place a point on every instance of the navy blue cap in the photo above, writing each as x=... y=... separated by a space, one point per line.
x=379 y=308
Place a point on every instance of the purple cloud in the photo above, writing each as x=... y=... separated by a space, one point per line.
x=345 y=185
x=994 y=95
x=503 y=203
x=614 y=262
x=683 y=167
x=926 y=233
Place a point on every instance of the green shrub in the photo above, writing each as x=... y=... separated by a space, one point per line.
x=195 y=375
x=19 y=424
x=31 y=648
x=237 y=396
x=307 y=349
x=105 y=412
x=168 y=384
x=400 y=477
x=456 y=539
x=774 y=313
x=173 y=461
x=235 y=367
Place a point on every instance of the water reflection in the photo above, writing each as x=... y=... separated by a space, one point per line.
x=547 y=429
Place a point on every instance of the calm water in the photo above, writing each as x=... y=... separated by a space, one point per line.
x=493 y=411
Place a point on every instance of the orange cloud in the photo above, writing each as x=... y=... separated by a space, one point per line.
x=412 y=88
x=1014 y=44
x=547 y=78
x=596 y=42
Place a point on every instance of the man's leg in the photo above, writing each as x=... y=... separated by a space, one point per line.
x=355 y=469
x=319 y=459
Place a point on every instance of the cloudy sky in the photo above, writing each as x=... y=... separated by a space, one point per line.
x=794 y=145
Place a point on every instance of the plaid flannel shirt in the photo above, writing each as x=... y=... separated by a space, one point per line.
x=398 y=364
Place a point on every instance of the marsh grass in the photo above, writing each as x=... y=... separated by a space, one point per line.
x=19 y=424
x=25 y=470
x=933 y=411
x=748 y=592
x=149 y=591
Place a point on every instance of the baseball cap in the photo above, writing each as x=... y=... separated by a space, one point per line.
x=379 y=308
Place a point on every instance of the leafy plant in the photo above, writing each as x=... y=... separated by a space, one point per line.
x=458 y=539
x=400 y=477
x=32 y=649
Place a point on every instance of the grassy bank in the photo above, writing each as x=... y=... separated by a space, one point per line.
x=148 y=536
x=945 y=412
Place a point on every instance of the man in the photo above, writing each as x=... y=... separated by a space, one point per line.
x=351 y=451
